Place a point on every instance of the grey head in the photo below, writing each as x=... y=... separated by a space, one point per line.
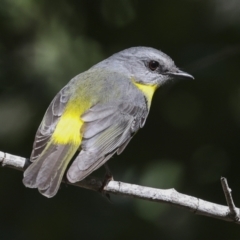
x=146 y=65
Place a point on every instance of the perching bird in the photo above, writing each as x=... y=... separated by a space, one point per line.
x=97 y=113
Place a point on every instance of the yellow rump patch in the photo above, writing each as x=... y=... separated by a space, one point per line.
x=147 y=90
x=68 y=129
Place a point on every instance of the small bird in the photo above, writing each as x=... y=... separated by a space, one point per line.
x=97 y=113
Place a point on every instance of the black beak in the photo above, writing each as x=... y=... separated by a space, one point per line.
x=178 y=74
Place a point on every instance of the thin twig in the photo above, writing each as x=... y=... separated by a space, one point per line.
x=233 y=211
x=168 y=196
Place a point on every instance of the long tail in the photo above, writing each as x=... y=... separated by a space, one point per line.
x=46 y=172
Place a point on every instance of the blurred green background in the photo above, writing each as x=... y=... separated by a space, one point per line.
x=190 y=140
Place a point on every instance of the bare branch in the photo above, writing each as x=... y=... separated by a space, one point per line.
x=169 y=196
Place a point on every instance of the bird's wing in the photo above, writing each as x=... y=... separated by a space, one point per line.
x=49 y=122
x=49 y=160
x=107 y=130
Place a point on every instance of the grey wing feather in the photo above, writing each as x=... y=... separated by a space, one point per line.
x=49 y=122
x=97 y=112
x=104 y=135
x=90 y=130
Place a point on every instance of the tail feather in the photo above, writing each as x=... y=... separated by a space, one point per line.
x=55 y=182
x=47 y=171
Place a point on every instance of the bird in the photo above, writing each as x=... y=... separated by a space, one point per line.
x=96 y=115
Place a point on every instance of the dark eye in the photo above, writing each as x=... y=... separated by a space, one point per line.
x=153 y=65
